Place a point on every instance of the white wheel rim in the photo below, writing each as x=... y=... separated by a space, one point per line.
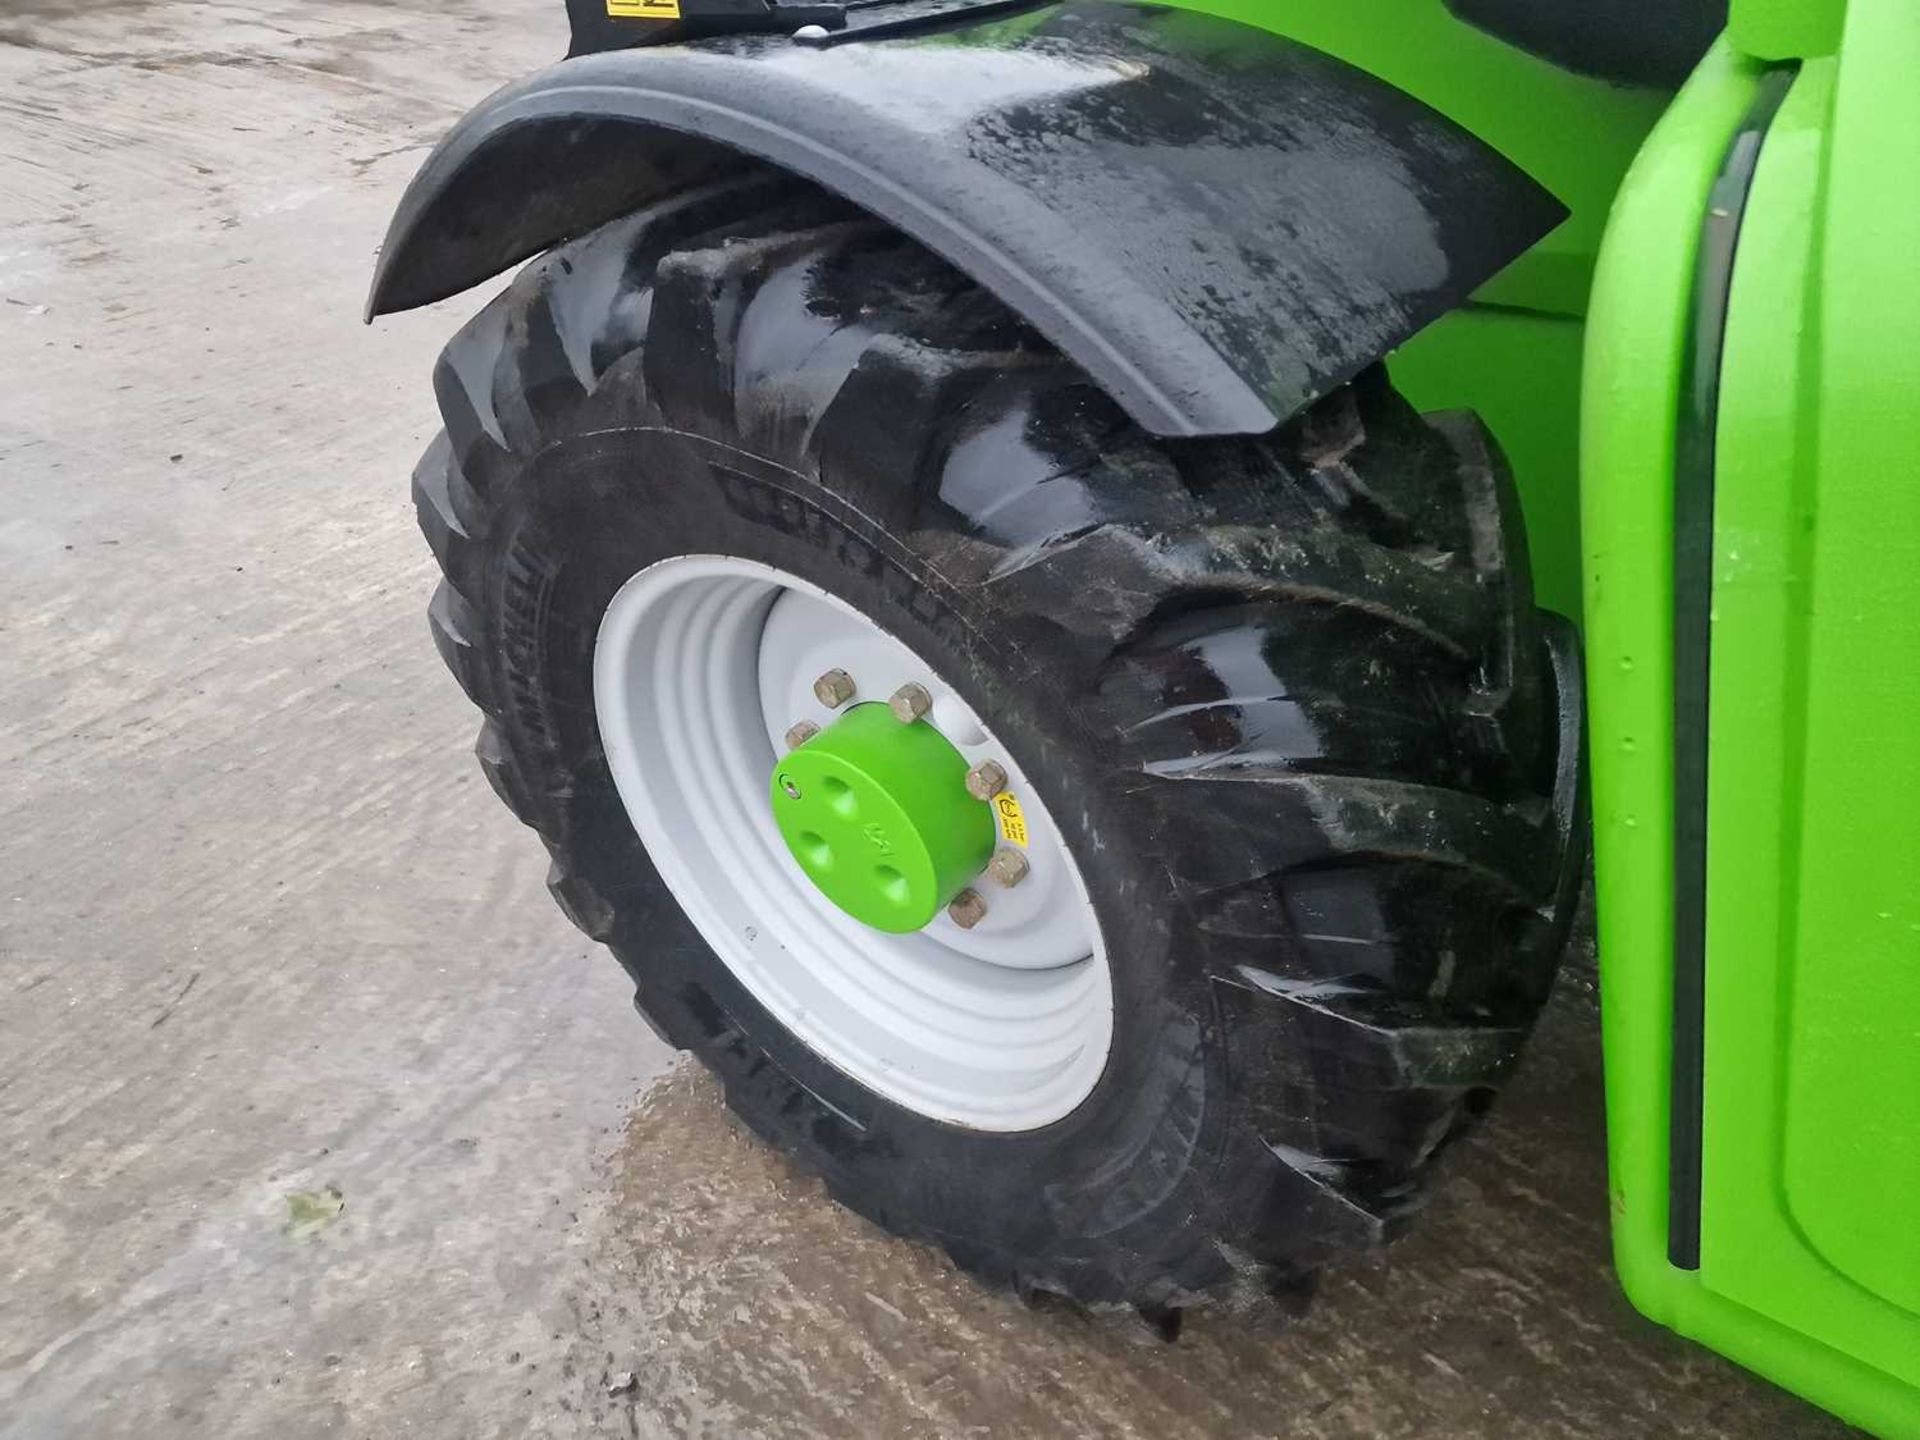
x=701 y=665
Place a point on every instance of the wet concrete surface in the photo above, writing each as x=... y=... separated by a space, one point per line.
x=265 y=936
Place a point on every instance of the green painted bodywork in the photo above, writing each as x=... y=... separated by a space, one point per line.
x=1786 y=29
x=878 y=816
x=1810 y=1262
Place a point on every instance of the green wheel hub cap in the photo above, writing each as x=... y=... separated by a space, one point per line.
x=878 y=816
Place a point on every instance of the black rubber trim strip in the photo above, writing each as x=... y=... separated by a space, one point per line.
x=1692 y=656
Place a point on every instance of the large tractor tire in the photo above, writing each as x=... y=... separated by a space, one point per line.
x=1284 y=779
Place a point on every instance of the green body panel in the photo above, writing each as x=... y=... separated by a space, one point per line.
x=1815 y=788
x=1809 y=1266
x=1785 y=29
x=1853 y=1084
x=877 y=814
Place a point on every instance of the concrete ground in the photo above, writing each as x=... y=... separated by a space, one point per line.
x=315 y=1116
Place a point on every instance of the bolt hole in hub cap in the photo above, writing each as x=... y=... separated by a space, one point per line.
x=828 y=877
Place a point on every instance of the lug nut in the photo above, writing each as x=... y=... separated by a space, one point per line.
x=801 y=733
x=833 y=689
x=1008 y=867
x=967 y=909
x=986 y=780
x=910 y=702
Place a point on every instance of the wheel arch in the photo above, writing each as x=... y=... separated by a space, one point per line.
x=1217 y=223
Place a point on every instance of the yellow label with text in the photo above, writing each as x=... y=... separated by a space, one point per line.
x=644 y=9
x=1013 y=822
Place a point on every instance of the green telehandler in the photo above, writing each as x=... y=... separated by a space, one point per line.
x=1065 y=583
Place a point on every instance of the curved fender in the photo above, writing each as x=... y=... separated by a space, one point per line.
x=1217 y=223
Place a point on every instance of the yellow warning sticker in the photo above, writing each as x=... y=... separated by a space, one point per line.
x=644 y=9
x=1013 y=822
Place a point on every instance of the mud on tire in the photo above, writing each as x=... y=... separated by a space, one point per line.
x=1306 y=732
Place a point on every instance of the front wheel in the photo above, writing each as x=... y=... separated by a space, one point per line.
x=1124 y=863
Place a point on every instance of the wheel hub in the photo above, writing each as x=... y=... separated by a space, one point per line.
x=878 y=816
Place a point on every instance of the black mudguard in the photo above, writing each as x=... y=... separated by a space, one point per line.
x=1218 y=224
